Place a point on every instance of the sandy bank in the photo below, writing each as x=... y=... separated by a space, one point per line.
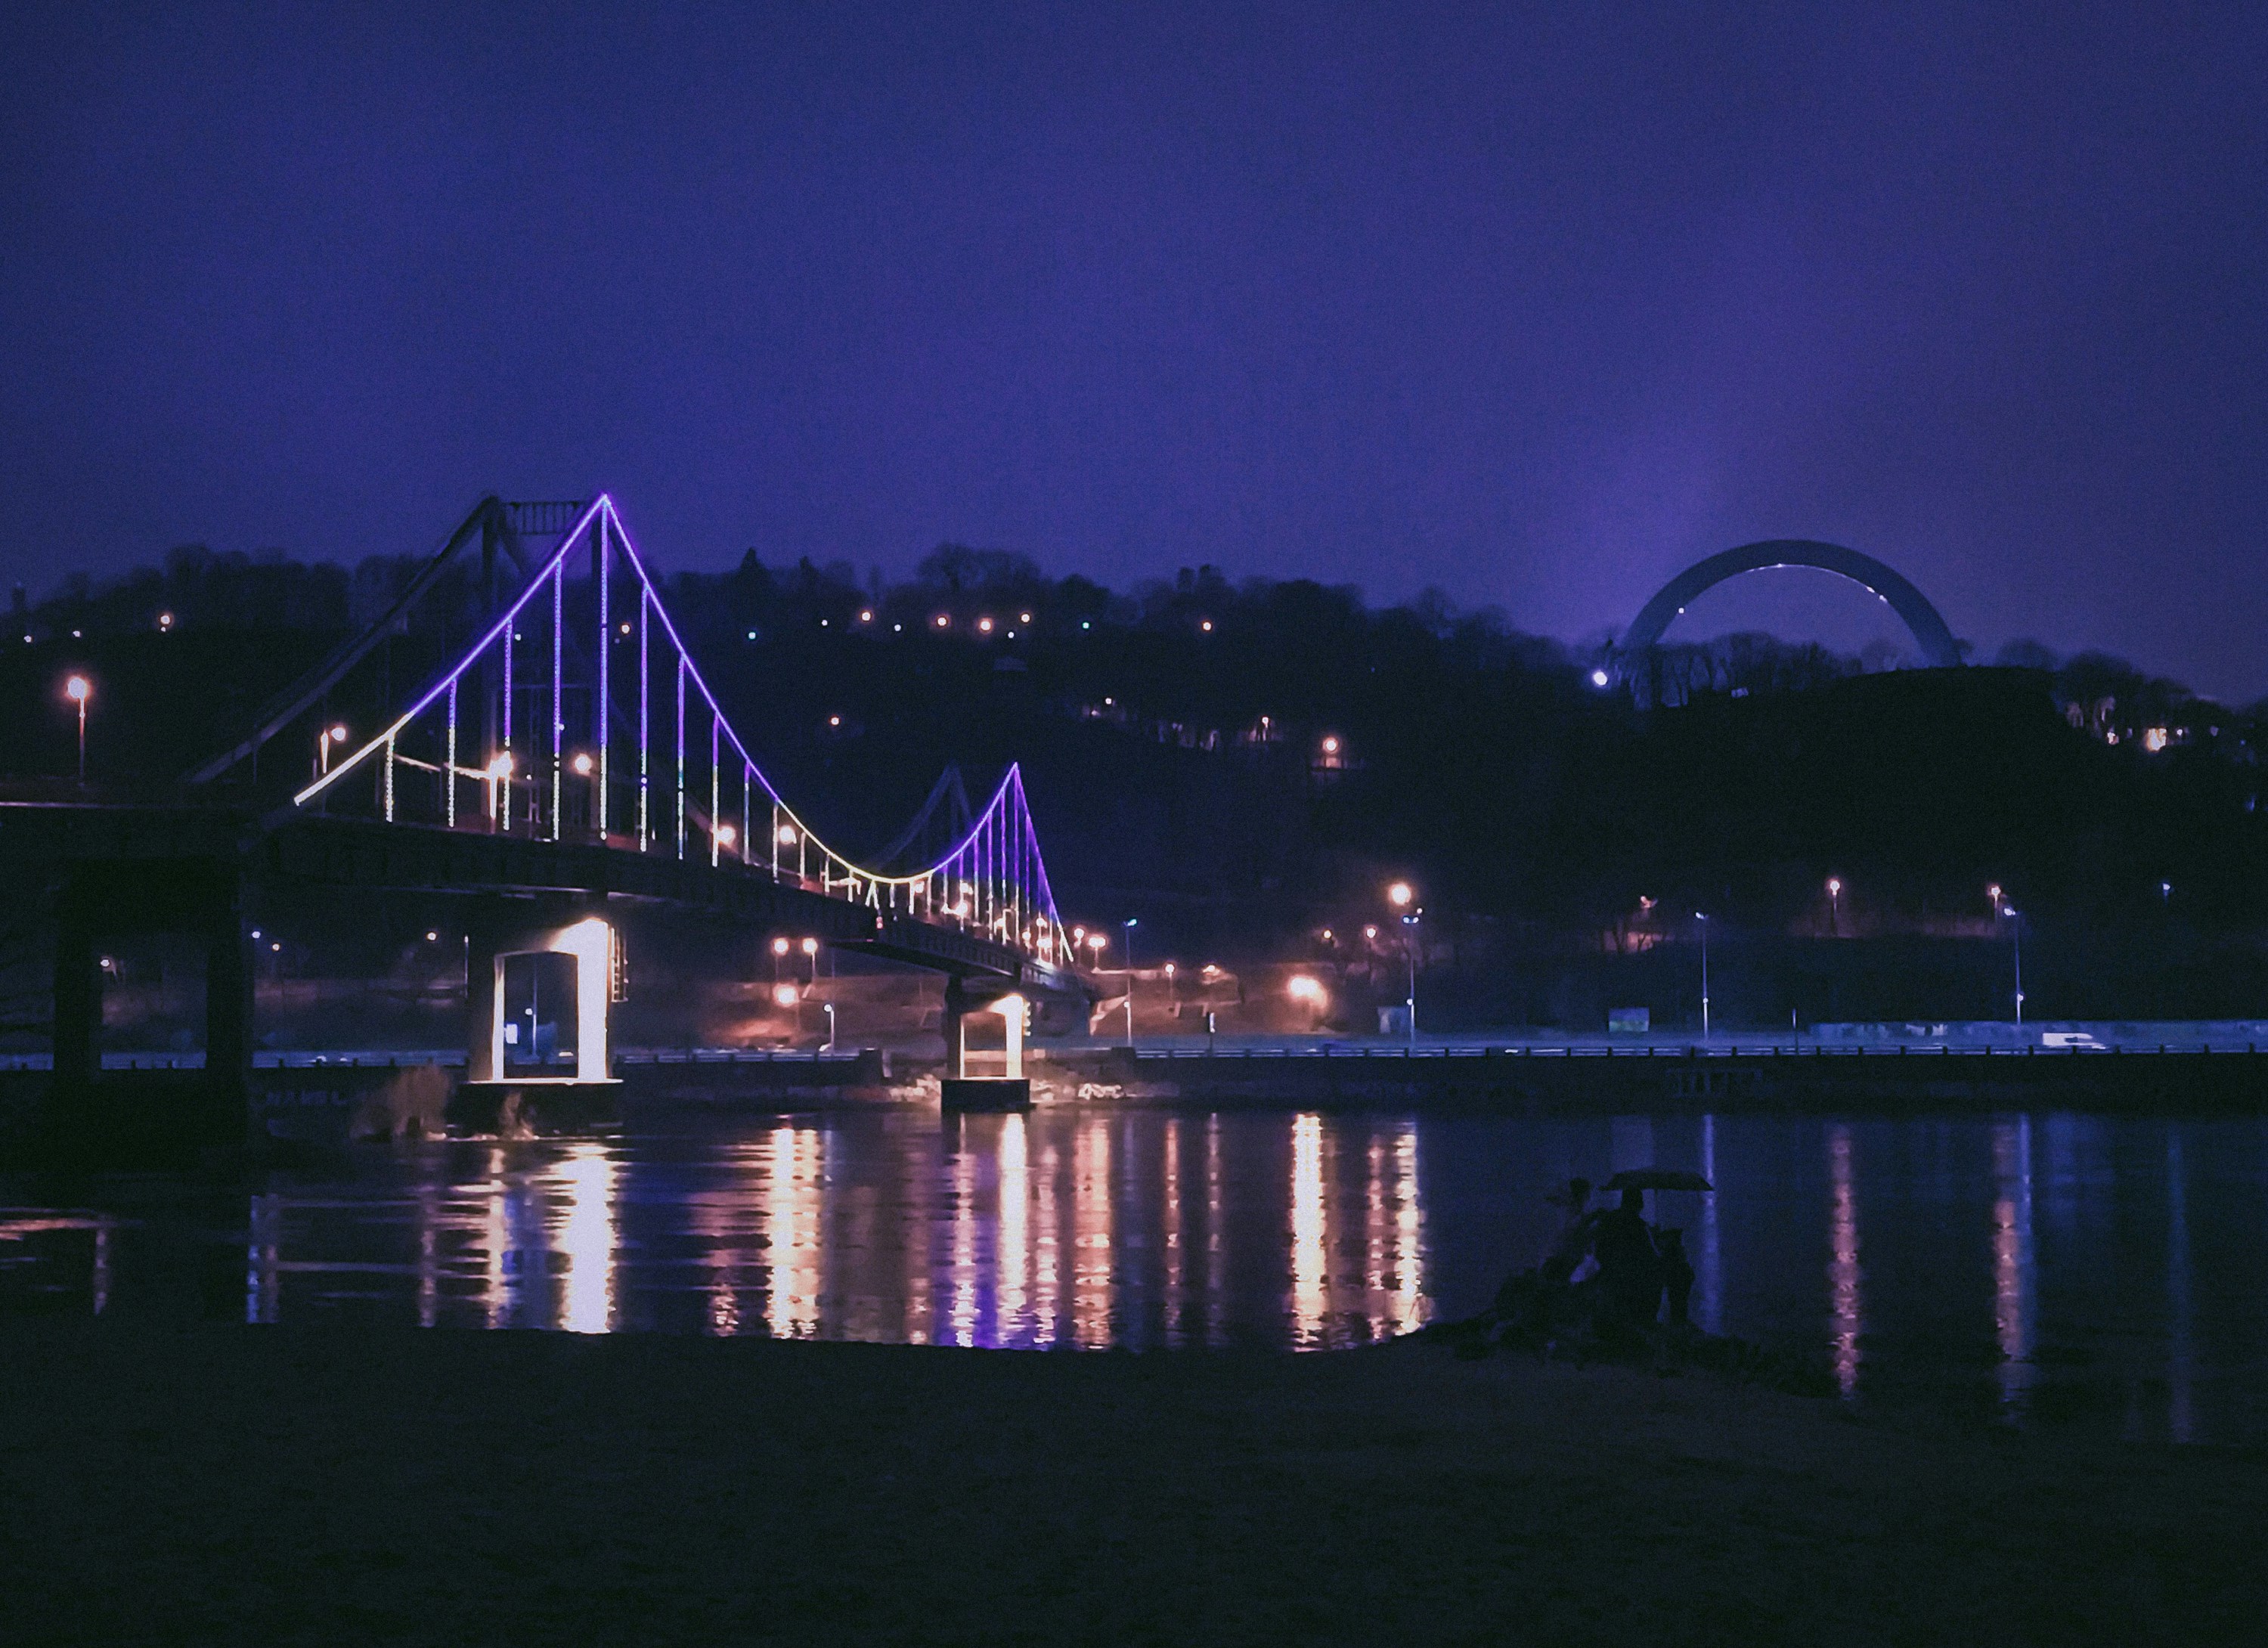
x=280 y=1485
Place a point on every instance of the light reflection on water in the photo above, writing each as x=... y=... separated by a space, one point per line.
x=1998 y=1256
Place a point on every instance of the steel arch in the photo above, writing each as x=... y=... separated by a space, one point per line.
x=1921 y=619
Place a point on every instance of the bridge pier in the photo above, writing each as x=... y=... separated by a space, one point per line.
x=149 y=1115
x=960 y=1091
x=493 y=1099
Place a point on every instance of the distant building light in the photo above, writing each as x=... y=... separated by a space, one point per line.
x=1206 y=625
x=2154 y=739
x=1330 y=746
x=1303 y=988
x=1084 y=623
x=835 y=720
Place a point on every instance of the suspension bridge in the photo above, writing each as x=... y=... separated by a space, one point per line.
x=571 y=755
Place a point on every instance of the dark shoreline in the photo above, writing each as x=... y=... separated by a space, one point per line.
x=317 y=1484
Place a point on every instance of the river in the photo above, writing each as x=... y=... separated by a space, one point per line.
x=2043 y=1268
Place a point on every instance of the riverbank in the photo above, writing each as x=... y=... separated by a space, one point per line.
x=275 y=1485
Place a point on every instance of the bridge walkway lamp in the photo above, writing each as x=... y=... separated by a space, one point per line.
x=1835 y=905
x=1402 y=895
x=811 y=954
x=1704 y=920
x=335 y=734
x=79 y=689
x=2015 y=918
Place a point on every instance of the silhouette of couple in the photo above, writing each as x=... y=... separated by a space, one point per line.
x=1636 y=1264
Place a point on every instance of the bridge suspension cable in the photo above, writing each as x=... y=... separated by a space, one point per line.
x=552 y=710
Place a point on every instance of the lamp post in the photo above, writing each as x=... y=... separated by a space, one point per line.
x=828 y=1008
x=810 y=952
x=335 y=733
x=2016 y=943
x=1402 y=895
x=79 y=689
x=1131 y=923
x=1835 y=905
x=1704 y=920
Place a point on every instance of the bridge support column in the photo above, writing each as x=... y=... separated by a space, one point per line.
x=150 y=1115
x=493 y=1099
x=954 y=1023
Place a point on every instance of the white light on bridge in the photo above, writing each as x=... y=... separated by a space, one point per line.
x=780 y=946
x=787 y=834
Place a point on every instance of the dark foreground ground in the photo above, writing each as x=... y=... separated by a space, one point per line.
x=272 y=1485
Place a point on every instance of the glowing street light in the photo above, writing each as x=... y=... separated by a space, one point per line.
x=1400 y=895
x=727 y=835
x=784 y=994
x=1131 y=923
x=79 y=689
x=811 y=954
x=2016 y=919
x=1600 y=678
x=1835 y=905
x=1704 y=920
x=499 y=791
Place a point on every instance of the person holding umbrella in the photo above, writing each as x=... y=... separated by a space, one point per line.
x=1631 y=1271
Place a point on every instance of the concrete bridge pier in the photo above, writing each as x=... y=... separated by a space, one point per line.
x=150 y=1114
x=496 y=1099
x=960 y=1091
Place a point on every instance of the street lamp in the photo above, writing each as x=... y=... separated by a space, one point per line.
x=1835 y=905
x=2016 y=943
x=1402 y=895
x=1129 y=924
x=335 y=733
x=1704 y=920
x=828 y=1009
x=79 y=689
x=810 y=952
x=500 y=788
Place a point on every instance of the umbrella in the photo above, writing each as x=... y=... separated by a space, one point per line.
x=1657 y=1179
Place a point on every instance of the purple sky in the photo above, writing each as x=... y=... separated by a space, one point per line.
x=1537 y=309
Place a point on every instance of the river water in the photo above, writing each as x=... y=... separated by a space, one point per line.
x=2051 y=1268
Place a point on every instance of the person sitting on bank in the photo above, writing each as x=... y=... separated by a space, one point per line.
x=1575 y=1238
x=1676 y=1274
x=1630 y=1270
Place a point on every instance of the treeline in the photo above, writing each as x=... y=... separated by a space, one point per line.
x=1242 y=763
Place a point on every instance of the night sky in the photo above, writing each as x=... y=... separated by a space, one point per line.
x=1537 y=309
